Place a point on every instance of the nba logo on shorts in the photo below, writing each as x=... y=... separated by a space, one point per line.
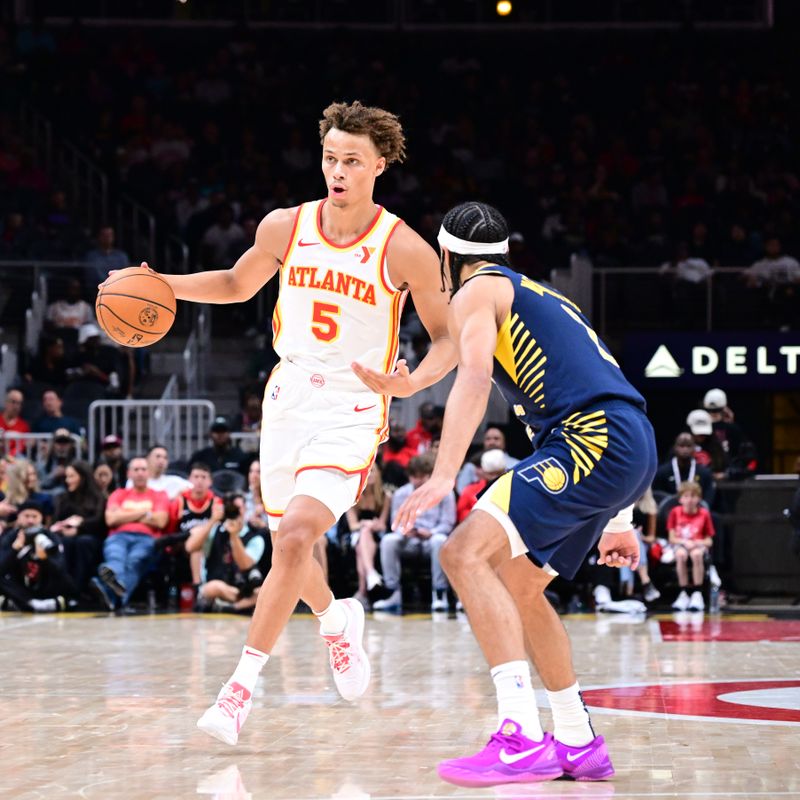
x=549 y=473
x=275 y=392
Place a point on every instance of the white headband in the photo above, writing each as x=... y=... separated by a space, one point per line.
x=465 y=248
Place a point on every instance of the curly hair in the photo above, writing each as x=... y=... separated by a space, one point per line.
x=474 y=222
x=382 y=127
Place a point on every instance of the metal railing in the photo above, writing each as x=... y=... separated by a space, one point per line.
x=8 y=368
x=86 y=184
x=38 y=133
x=195 y=354
x=631 y=296
x=35 y=315
x=180 y=425
x=136 y=230
x=33 y=446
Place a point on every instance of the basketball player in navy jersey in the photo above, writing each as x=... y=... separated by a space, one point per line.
x=594 y=455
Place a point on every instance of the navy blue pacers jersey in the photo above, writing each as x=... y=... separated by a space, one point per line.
x=594 y=451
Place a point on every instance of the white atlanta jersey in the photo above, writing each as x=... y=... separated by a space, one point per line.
x=336 y=302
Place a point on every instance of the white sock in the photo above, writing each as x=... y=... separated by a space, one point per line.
x=374 y=578
x=515 y=698
x=333 y=619
x=571 y=723
x=250 y=664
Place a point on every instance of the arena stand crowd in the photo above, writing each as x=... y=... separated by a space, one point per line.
x=137 y=531
x=690 y=169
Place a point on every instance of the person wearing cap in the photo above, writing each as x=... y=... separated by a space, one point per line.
x=493 y=439
x=33 y=574
x=492 y=466
x=728 y=433
x=61 y=454
x=682 y=466
x=708 y=450
x=93 y=361
x=222 y=453
x=52 y=416
x=111 y=454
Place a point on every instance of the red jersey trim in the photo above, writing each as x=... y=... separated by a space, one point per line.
x=386 y=280
x=293 y=234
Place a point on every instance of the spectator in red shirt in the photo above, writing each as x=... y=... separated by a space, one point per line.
x=135 y=518
x=397 y=447
x=10 y=420
x=493 y=465
x=691 y=531
x=429 y=425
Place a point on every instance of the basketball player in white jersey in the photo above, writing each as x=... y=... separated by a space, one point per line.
x=346 y=266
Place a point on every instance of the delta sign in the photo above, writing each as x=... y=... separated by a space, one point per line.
x=768 y=360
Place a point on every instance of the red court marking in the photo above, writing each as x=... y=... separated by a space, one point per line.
x=731 y=631
x=693 y=700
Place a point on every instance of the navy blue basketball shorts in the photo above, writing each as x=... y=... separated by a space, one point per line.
x=555 y=504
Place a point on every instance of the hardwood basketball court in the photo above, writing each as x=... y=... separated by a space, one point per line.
x=102 y=707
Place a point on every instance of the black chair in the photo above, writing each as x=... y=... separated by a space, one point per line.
x=227 y=480
x=79 y=395
x=178 y=467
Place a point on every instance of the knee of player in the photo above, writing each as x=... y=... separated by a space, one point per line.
x=294 y=542
x=681 y=554
x=451 y=557
x=698 y=555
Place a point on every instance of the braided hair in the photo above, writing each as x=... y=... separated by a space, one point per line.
x=474 y=222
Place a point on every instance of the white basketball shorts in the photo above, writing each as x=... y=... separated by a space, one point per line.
x=316 y=440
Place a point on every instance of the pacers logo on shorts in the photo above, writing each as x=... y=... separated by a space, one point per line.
x=549 y=473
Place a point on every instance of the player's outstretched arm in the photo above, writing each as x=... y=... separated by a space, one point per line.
x=253 y=269
x=473 y=324
x=413 y=264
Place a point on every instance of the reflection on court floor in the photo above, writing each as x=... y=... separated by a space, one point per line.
x=102 y=707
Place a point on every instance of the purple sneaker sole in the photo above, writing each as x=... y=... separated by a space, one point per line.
x=587 y=763
x=493 y=777
x=509 y=757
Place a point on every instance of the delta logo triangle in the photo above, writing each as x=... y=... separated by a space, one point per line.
x=662 y=365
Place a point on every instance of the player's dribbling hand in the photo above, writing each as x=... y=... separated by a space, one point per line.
x=430 y=494
x=398 y=384
x=143 y=265
x=619 y=550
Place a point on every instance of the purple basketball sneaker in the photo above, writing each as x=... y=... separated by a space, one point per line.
x=590 y=762
x=509 y=757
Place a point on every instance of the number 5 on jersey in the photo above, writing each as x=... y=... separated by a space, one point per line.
x=325 y=326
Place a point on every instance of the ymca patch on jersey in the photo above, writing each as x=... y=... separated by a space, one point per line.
x=548 y=472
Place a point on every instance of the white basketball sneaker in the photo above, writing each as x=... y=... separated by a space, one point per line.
x=225 y=718
x=349 y=662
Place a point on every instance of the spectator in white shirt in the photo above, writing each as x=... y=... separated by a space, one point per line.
x=775 y=269
x=72 y=310
x=221 y=237
x=157 y=462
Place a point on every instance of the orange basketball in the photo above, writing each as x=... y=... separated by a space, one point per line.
x=135 y=307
